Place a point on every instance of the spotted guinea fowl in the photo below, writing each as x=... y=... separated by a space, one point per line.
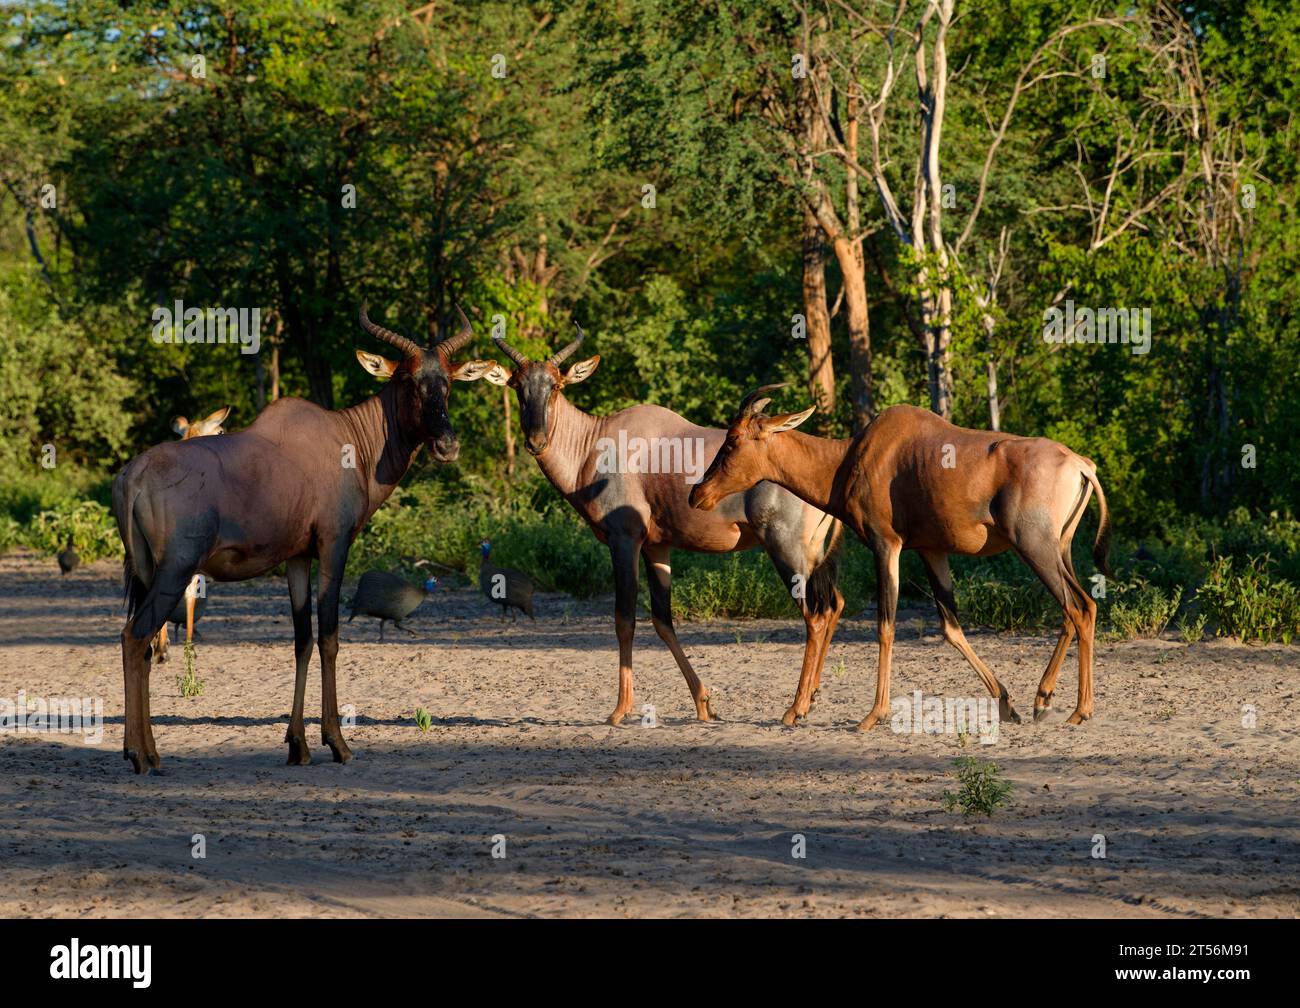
x=68 y=558
x=389 y=597
x=503 y=586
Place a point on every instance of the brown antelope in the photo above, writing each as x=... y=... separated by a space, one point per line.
x=911 y=480
x=297 y=484
x=640 y=510
x=209 y=425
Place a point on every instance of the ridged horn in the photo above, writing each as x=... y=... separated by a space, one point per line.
x=408 y=347
x=453 y=343
x=519 y=358
x=559 y=357
x=751 y=405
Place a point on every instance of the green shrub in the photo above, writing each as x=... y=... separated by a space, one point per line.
x=982 y=787
x=730 y=584
x=91 y=525
x=1005 y=605
x=1139 y=609
x=1247 y=602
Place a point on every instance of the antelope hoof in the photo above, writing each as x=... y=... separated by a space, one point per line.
x=1007 y=713
x=1078 y=717
x=704 y=708
x=869 y=722
x=139 y=764
x=299 y=754
x=339 y=748
x=1042 y=704
x=790 y=717
x=616 y=718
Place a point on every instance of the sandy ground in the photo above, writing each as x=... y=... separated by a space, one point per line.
x=1199 y=813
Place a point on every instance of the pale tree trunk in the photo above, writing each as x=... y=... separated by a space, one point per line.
x=821 y=370
x=510 y=432
x=991 y=375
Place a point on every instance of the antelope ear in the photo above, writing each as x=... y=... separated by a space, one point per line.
x=381 y=367
x=210 y=424
x=472 y=370
x=581 y=371
x=498 y=375
x=787 y=421
x=180 y=425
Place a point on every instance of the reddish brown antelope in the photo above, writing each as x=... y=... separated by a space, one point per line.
x=638 y=507
x=914 y=481
x=297 y=484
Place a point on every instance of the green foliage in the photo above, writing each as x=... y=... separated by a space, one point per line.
x=423 y=720
x=982 y=788
x=188 y=682
x=91 y=525
x=1139 y=609
x=1009 y=606
x=1244 y=600
x=732 y=584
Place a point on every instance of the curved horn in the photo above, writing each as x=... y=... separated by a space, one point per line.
x=559 y=356
x=453 y=343
x=751 y=405
x=387 y=335
x=519 y=358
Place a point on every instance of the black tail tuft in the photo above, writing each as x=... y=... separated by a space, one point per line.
x=133 y=588
x=819 y=597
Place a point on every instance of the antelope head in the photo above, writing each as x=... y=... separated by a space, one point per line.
x=211 y=424
x=537 y=383
x=745 y=456
x=422 y=379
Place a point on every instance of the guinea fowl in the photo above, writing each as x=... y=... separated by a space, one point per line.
x=68 y=558
x=389 y=597
x=503 y=586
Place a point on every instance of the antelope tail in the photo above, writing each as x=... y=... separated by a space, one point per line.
x=820 y=591
x=1101 y=547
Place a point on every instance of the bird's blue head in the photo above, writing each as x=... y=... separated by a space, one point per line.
x=431 y=584
x=485 y=548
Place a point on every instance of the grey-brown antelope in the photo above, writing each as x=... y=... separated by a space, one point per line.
x=629 y=475
x=185 y=608
x=297 y=484
x=911 y=480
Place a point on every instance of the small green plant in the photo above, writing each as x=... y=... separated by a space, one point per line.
x=1005 y=605
x=189 y=682
x=739 y=638
x=1192 y=629
x=838 y=670
x=1141 y=609
x=983 y=788
x=1249 y=603
x=423 y=720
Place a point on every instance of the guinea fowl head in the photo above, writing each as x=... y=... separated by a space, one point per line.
x=485 y=548
x=430 y=584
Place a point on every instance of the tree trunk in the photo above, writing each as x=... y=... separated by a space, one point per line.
x=855 y=306
x=821 y=369
x=510 y=433
x=991 y=374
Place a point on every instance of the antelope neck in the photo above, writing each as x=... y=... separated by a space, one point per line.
x=571 y=439
x=807 y=466
x=384 y=449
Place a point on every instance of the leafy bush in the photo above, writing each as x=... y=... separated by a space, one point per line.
x=730 y=584
x=1005 y=605
x=1139 y=609
x=983 y=788
x=91 y=525
x=1246 y=601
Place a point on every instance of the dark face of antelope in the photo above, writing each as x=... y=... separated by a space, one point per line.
x=744 y=458
x=423 y=381
x=537 y=384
